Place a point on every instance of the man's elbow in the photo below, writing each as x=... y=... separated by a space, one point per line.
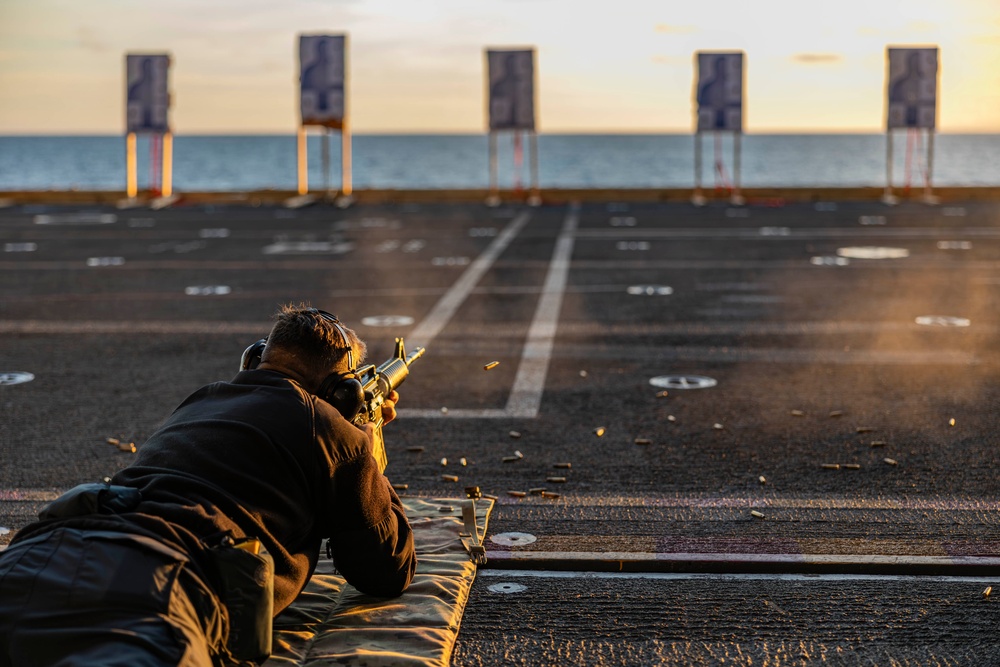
x=389 y=583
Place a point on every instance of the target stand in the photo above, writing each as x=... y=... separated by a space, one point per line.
x=510 y=108
x=911 y=104
x=323 y=104
x=719 y=84
x=147 y=108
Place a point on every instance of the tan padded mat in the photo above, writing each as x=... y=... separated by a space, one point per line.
x=331 y=623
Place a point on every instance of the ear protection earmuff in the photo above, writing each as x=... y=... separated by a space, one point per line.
x=341 y=390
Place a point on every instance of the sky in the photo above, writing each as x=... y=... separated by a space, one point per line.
x=624 y=66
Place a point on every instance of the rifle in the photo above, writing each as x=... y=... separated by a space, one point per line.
x=377 y=382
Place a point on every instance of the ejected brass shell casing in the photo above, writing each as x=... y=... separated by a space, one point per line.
x=851 y=466
x=864 y=429
x=555 y=480
x=762 y=479
x=515 y=434
x=643 y=441
x=562 y=465
x=837 y=413
x=126 y=447
x=450 y=478
x=662 y=394
x=113 y=441
x=400 y=487
x=537 y=490
x=878 y=443
x=491 y=365
x=759 y=515
x=891 y=462
x=599 y=431
x=415 y=449
x=797 y=413
x=549 y=494
x=511 y=459
x=517 y=494
x=831 y=466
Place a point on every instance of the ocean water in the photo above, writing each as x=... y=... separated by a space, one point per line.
x=235 y=163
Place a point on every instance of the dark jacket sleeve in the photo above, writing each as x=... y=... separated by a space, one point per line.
x=371 y=540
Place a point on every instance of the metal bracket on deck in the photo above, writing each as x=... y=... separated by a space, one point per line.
x=470 y=534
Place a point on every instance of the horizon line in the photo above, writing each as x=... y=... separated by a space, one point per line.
x=469 y=133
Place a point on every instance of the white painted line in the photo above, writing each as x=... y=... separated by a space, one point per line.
x=475 y=329
x=82 y=218
x=687 y=576
x=28 y=495
x=792 y=233
x=446 y=307
x=818 y=560
x=133 y=327
x=529 y=383
x=853 y=502
x=458 y=413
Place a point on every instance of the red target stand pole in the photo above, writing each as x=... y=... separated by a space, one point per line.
x=929 y=197
x=914 y=146
x=722 y=182
x=493 y=199
x=161 y=165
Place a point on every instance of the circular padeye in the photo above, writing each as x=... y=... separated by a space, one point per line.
x=683 y=382
x=650 y=290
x=873 y=252
x=512 y=539
x=942 y=321
x=507 y=587
x=387 y=321
x=15 y=377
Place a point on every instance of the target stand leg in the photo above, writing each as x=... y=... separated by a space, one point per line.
x=697 y=197
x=493 y=198
x=888 y=198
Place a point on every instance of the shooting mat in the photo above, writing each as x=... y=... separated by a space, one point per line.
x=331 y=623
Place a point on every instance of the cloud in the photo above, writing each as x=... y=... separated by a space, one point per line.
x=671 y=60
x=922 y=26
x=88 y=39
x=675 y=29
x=816 y=58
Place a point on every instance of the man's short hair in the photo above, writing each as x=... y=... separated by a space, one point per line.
x=301 y=328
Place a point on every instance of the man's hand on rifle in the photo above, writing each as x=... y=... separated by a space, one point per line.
x=389 y=407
